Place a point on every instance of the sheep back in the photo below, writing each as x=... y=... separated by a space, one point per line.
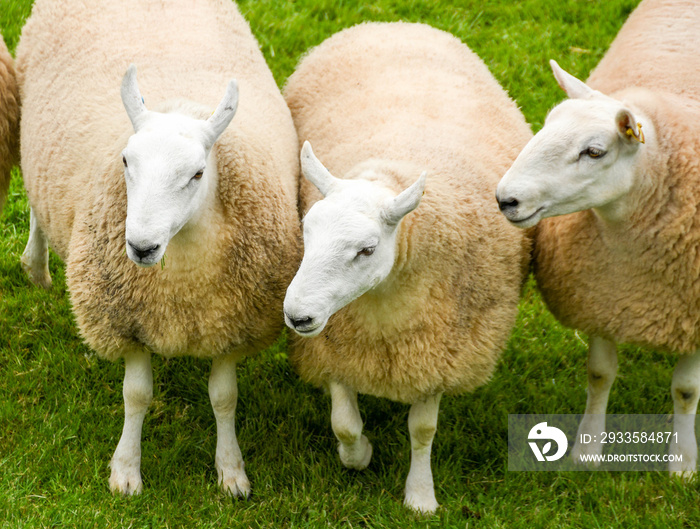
x=9 y=120
x=657 y=48
x=227 y=299
x=402 y=98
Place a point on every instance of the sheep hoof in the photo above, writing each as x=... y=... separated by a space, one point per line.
x=39 y=276
x=233 y=481
x=356 y=456
x=685 y=469
x=125 y=479
x=585 y=454
x=685 y=475
x=422 y=503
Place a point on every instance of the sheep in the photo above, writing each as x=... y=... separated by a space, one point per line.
x=386 y=302
x=9 y=120
x=615 y=174
x=117 y=192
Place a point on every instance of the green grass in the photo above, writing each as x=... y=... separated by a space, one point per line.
x=61 y=411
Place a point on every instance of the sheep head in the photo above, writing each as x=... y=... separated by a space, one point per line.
x=168 y=177
x=349 y=244
x=584 y=157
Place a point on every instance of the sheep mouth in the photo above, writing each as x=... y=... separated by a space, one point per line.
x=526 y=222
x=144 y=263
x=306 y=334
x=310 y=332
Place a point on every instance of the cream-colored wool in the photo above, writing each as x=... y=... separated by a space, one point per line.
x=218 y=292
x=656 y=48
x=637 y=281
x=403 y=98
x=9 y=120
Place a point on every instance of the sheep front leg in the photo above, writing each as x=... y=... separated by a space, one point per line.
x=138 y=392
x=685 y=388
x=35 y=258
x=602 y=369
x=223 y=393
x=422 y=425
x=354 y=448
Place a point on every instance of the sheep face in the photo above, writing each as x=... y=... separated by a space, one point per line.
x=349 y=244
x=584 y=157
x=169 y=182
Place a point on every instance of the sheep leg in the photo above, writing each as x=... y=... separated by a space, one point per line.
x=422 y=425
x=35 y=258
x=223 y=393
x=602 y=369
x=685 y=389
x=354 y=448
x=138 y=392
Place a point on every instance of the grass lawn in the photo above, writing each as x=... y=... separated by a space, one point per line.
x=61 y=409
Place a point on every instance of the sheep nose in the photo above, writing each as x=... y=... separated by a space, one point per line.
x=143 y=252
x=301 y=322
x=507 y=203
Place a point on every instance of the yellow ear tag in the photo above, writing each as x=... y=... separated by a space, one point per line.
x=630 y=133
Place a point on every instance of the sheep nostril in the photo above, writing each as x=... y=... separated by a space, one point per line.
x=143 y=252
x=301 y=322
x=296 y=323
x=508 y=203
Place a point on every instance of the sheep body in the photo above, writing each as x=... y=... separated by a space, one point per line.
x=402 y=98
x=653 y=258
x=9 y=120
x=617 y=172
x=218 y=292
x=220 y=288
x=656 y=48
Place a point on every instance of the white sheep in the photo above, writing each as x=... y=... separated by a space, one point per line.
x=624 y=171
x=216 y=206
x=398 y=305
x=9 y=120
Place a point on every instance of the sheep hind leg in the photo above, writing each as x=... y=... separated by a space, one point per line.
x=422 y=425
x=685 y=389
x=138 y=392
x=35 y=258
x=223 y=393
x=354 y=448
x=602 y=369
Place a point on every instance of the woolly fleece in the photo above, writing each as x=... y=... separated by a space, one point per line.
x=657 y=48
x=218 y=292
x=637 y=281
x=9 y=120
x=401 y=98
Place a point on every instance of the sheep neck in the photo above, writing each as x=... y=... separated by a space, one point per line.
x=388 y=303
x=625 y=208
x=198 y=237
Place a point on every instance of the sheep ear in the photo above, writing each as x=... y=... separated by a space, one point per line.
x=398 y=207
x=573 y=87
x=131 y=97
x=629 y=128
x=222 y=116
x=314 y=171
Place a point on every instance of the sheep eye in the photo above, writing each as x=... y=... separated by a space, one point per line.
x=124 y=161
x=366 y=251
x=593 y=152
x=198 y=175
